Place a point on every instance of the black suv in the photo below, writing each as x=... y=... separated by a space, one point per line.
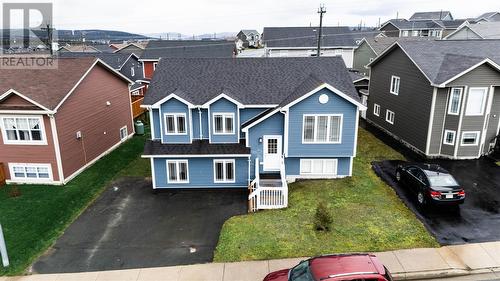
x=430 y=184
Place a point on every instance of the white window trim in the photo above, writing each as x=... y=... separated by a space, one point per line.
x=477 y=133
x=454 y=137
x=327 y=129
x=376 y=109
x=324 y=173
x=224 y=161
x=387 y=116
x=459 y=101
x=43 y=141
x=135 y=93
x=485 y=101
x=126 y=133
x=177 y=170
x=393 y=78
x=224 y=116
x=154 y=65
x=30 y=180
x=176 y=125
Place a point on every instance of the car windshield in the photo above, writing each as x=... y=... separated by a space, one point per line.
x=442 y=180
x=301 y=272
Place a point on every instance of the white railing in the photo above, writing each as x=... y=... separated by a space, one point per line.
x=267 y=197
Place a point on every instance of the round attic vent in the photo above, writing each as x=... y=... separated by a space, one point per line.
x=323 y=98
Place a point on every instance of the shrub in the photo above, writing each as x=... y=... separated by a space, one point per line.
x=14 y=191
x=322 y=218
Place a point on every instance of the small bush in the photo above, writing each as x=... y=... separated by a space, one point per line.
x=322 y=218
x=14 y=191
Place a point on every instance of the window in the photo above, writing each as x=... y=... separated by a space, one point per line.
x=449 y=137
x=395 y=80
x=326 y=128
x=470 y=138
x=415 y=33
x=318 y=167
x=224 y=171
x=177 y=171
x=23 y=130
x=376 y=109
x=175 y=124
x=154 y=65
x=136 y=93
x=476 y=101
x=123 y=133
x=455 y=101
x=132 y=71
x=31 y=172
x=405 y=33
x=223 y=123
x=389 y=116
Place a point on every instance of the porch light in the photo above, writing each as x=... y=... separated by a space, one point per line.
x=260 y=140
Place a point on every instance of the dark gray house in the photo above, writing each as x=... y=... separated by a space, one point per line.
x=440 y=98
x=368 y=50
x=249 y=38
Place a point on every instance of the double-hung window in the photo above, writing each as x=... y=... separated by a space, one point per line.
x=389 y=116
x=476 y=101
x=395 y=81
x=449 y=137
x=376 y=109
x=323 y=128
x=224 y=171
x=23 y=130
x=455 y=101
x=223 y=123
x=177 y=171
x=175 y=124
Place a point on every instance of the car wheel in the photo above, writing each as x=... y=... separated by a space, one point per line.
x=398 y=176
x=420 y=198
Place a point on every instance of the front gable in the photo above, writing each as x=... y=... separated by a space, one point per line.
x=174 y=107
x=13 y=100
x=223 y=106
x=323 y=102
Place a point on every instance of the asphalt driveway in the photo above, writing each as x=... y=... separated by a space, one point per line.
x=477 y=220
x=130 y=227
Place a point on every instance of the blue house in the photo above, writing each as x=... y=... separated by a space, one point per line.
x=251 y=122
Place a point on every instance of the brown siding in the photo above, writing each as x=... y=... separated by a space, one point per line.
x=31 y=154
x=86 y=111
x=15 y=100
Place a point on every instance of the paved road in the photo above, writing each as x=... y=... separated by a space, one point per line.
x=130 y=227
x=478 y=219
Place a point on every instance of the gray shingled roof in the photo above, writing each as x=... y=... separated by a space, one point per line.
x=115 y=60
x=188 y=49
x=247 y=80
x=486 y=15
x=248 y=31
x=379 y=44
x=198 y=147
x=430 y=15
x=487 y=30
x=307 y=37
x=441 y=60
x=421 y=24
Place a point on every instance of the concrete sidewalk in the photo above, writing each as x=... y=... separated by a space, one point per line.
x=409 y=264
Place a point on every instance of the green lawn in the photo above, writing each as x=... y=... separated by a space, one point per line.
x=33 y=221
x=367 y=215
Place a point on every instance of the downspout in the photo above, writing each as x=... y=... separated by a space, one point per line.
x=199 y=116
x=249 y=163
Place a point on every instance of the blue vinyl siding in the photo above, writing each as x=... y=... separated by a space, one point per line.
x=270 y=126
x=201 y=173
x=247 y=114
x=195 y=115
x=311 y=105
x=224 y=106
x=292 y=165
x=156 y=123
x=175 y=106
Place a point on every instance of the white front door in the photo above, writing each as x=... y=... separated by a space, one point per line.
x=364 y=101
x=272 y=153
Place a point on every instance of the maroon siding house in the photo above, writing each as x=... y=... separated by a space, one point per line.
x=55 y=123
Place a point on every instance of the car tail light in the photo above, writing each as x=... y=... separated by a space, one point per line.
x=435 y=194
x=461 y=193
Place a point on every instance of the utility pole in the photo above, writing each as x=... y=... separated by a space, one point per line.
x=49 y=38
x=321 y=11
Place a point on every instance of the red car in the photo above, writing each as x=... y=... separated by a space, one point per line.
x=349 y=267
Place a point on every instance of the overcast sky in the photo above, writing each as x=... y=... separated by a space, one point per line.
x=209 y=16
